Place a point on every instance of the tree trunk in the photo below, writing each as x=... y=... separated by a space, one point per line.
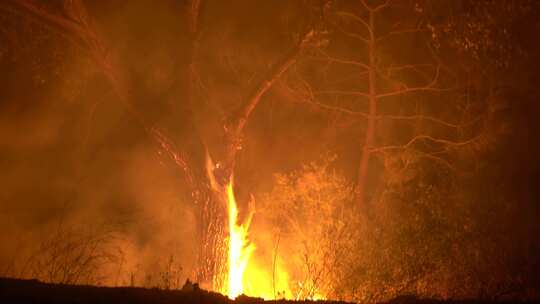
x=360 y=188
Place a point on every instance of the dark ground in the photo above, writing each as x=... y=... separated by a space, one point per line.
x=33 y=291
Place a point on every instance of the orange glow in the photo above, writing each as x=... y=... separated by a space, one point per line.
x=265 y=283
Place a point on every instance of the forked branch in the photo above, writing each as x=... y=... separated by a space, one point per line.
x=238 y=122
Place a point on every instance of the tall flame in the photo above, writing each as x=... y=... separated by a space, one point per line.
x=252 y=278
x=240 y=249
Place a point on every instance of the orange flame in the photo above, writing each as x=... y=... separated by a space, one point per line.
x=240 y=249
x=247 y=276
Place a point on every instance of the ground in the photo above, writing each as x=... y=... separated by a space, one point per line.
x=33 y=291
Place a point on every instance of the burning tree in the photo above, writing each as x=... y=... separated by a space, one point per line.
x=208 y=174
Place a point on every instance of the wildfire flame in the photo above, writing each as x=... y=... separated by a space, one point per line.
x=240 y=248
x=247 y=276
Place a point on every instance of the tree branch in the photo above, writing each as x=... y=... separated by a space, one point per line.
x=350 y=34
x=344 y=61
x=309 y=98
x=414 y=66
x=406 y=89
x=357 y=19
x=381 y=6
x=414 y=140
x=421 y=117
x=266 y=83
x=376 y=8
x=343 y=93
x=400 y=32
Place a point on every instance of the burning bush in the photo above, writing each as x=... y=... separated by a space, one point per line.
x=310 y=211
x=416 y=237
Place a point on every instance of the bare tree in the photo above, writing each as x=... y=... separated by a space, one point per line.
x=374 y=85
x=74 y=255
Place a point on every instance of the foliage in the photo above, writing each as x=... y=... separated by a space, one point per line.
x=486 y=31
x=311 y=207
x=428 y=235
